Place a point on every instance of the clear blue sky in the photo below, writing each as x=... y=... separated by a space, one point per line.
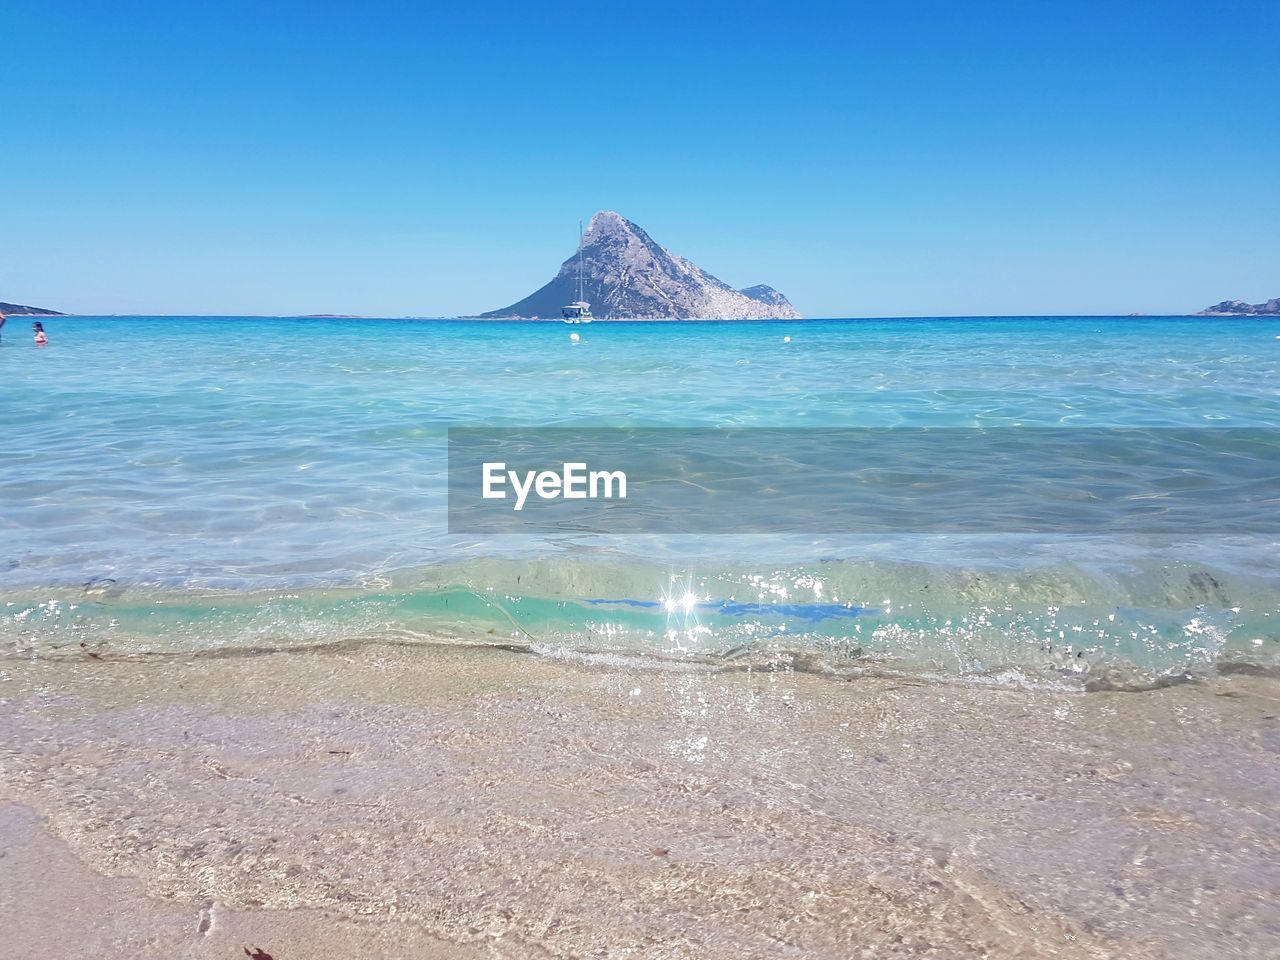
x=866 y=159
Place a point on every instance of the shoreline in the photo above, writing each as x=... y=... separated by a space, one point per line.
x=460 y=800
x=763 y=661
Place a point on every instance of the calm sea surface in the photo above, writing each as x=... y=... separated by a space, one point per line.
x=172 y=484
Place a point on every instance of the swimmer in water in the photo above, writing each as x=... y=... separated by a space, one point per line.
x=41 y=339
x=1 y=320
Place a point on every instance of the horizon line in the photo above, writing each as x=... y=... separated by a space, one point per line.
x=480 y=319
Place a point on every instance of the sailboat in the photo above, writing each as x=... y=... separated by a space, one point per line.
x=578 y=311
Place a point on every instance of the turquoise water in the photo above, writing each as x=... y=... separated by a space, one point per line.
x=170 y=484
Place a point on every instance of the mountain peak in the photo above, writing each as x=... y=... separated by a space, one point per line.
x=627 y=275
x=608 y=220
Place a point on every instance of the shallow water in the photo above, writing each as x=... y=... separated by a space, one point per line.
x=173 y=484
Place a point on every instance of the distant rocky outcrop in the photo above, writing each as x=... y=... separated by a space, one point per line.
x=1238 y=308
x=18 y=310
x=627 y=276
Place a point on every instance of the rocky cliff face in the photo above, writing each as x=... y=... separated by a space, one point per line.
x=18 y=310
x=1238 y=308
x=626 y=275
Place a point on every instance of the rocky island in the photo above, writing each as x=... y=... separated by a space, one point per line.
x=628 y=276
x=18 y=310
x=1238 y=308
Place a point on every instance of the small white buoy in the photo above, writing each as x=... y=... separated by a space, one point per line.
x=786 y=339
x=574 y=338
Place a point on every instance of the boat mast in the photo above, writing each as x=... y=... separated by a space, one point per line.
x=579 y=261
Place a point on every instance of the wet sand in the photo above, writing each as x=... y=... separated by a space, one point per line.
x=388 y=801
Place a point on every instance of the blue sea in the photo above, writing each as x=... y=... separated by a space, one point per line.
x=172 y=485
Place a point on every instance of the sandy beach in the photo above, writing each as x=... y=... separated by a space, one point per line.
x=427 y=801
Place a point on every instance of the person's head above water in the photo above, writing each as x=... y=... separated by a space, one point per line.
x=37 y=326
